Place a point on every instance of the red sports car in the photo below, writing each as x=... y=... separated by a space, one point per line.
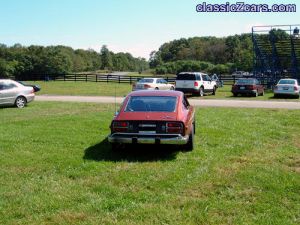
x=154 y=117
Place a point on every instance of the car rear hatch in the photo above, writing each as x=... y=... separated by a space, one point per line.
x=185 y=80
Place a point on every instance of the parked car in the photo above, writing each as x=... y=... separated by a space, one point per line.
x=287 y=87
x=152 y=84
x=247 y=86
x=154 y=117
x=240 y=74
x=36 y=87
x=14 y=93
x=195 y=83
x=215 y=78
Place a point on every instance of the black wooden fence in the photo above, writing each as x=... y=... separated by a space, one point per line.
x=226 y=79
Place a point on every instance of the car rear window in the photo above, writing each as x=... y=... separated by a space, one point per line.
x=286 y=82
x=186 y=76
x=147 y=80
x=151 y=104
x=245 y=82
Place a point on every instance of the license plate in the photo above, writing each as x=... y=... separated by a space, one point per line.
x=285 y=88
x=242 y=88
x=147 y=132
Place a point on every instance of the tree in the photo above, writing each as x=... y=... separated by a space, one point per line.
x=106 y=58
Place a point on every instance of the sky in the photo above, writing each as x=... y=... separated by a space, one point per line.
x=134 y=26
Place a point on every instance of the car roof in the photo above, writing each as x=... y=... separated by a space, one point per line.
x=154 y=78
x=5 y=80
x=155 y=93
x=288 y=79
x=190 y=73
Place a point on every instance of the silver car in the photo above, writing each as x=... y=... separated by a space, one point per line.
x=152 y=84
x=14 y=93
x=287 y=87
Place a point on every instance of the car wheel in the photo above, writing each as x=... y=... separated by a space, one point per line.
x=172 y=88
x=235 y=94
x=156 y=88
x=214 y=90
x=190 y=145
x=201 y=92
x=194 y=127
x=20 y=102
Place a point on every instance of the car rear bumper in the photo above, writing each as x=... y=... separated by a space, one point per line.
x=249 y=92
x=30 y=97
x=282 y=92
x=187 y=90
x=136 y=138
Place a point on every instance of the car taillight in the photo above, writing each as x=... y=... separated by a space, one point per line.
x=196 y=84
x=147 y=86
x=174 y=127
x=120 y=126
x=295 y=88
x=251 y=87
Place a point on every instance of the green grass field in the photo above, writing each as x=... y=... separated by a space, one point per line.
x=56 y=167
x=110 y=89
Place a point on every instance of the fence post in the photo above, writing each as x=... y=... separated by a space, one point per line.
x=96 y=78
x=119 y=79
x=64 y=77
x=107 y=78
x=167 y=79
x=130 y=79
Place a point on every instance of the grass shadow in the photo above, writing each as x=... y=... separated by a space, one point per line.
x=132 y=153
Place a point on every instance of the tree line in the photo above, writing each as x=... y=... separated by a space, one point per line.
x=210 y=54
x=19 y=61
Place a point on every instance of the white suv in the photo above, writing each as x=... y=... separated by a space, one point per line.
x=195 y=83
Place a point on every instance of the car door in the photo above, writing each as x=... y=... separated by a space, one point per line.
x=207 y=82
x=8 y=93
x=260 y=87
x=164 y=84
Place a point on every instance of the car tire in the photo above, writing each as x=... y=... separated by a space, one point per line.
x=190 y=145
x=235 y=94
x=275 y=96
x=20 y=102
x=214 y=90
x=172 y=88
x=156 y=88
x=194 y=127
x=201 y=92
